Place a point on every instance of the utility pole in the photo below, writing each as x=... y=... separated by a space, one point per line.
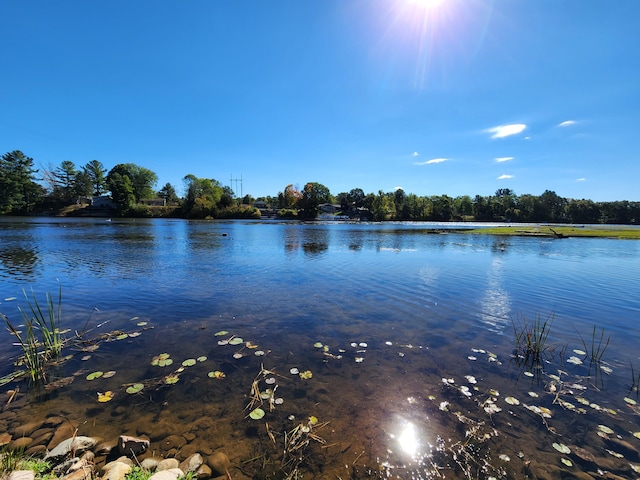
x=236 y=189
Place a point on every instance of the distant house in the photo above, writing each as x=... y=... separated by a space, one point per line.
x=261 y=205
x=154 y=202
x=330 y=207
x=103 y=201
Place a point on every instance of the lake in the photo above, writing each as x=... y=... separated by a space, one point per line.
x=397 y=338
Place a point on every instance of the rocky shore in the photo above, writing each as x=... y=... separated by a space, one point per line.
x=78 y=457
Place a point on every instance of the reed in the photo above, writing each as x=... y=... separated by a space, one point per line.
x=531 y=338
x=47 y=322
x=41 y=341
x=598 y=345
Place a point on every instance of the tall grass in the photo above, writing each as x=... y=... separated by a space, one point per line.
x=41 y=341
x=530 y=337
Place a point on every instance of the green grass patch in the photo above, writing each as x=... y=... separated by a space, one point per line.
x=628 y=233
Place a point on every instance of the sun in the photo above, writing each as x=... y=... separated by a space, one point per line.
x=426 y=4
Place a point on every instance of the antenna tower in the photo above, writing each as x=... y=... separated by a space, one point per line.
x=236 y=189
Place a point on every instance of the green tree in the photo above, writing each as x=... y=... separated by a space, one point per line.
x=583 y=211
x=356 y=197
x=551 y=207
x=83 y=186
x=168 y=192
x=19 y=191
x=142 y=179
x=313 y=195
x=97 y=176
x=442 y=208
x=383 y=206
x=463 y=206
x=65 y=176
x=121 y=192
x=202 y=196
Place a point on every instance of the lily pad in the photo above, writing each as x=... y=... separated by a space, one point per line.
x=221 y=333
x=171 y=379
x=236 y=341
x=142 y=324
x=605 y=429
x=257 y=413
x=512 y=400
x=189 y=362
x=630 y=401
x=562 y=448
x=306 y=375
x=216 y=374
x=94 y=375
x=567 y=462
x=318 y=345
x=202 y=358
x=122 y=336
x=135 y=388
x=105 y=397
x=109 y=374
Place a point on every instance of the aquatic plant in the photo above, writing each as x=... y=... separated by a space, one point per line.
x=42 y=341
x=598 y=345
x=531 y=339
x=48 y=322
x=15 y=459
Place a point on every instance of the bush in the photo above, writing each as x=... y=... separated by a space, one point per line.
x=287 y=213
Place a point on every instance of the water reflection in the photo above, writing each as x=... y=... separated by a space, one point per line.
x=496 y=303
x=19 y=262
x=311 y=240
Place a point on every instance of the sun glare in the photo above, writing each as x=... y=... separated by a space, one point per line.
x=426 y=4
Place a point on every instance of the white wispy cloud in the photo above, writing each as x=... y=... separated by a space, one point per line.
x=581 y=179
x=503 y=159
x=505 y=177
x=503 y=131
x=415 y=154
x=567 y=123
x=397 y=188
x=432 y=161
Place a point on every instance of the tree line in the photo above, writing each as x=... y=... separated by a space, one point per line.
x=24 y=190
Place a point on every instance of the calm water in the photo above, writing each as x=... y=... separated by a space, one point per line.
x=416 y=328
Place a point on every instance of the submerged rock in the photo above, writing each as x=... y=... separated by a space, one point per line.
x=168 y=464
x=219 y=462
x=192 y=463
x=74 y=444
x=132 y=446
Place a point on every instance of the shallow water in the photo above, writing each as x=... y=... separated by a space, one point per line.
x=434 y=310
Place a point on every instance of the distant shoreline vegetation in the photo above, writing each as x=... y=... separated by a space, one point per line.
x=128 y=190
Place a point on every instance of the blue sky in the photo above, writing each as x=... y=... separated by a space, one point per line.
x=436 y=97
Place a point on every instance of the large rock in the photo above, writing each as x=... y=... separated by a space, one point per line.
x=204 y=471
x=219 y=462
x=74 y=444
x=192 y=463
x=20 y=443
x=149 y=464
x=64 y=431
x=132 y=446
x=168 y=464
x=22 y=475
x=27 y=429
x=172 y=474
x=116 y=471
